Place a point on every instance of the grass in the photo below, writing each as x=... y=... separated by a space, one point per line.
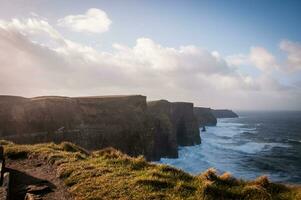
x=110 y=174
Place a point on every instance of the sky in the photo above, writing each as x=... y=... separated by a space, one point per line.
x=241 y=55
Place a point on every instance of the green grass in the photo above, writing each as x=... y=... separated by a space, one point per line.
x=110 y=174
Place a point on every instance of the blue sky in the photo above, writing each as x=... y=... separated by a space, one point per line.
x=229 y=26
x=257 y=41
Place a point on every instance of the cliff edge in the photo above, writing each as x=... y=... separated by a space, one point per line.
x=175 y=125
x=91 y=122
x=204 y=116
x=126 y=123
x=224 y=113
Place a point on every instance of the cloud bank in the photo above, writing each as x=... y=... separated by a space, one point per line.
x=37 y=60
x=293 y=50
x=93 y=21
x=258 y=57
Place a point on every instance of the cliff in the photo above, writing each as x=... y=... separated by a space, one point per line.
x=204 y=116
x=165 y=138
x=185 y=124
x=224 y=113
x=126 y=123
x=91 y=122
x=175 y=125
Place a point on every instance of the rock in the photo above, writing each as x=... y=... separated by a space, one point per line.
x=122 y=122
x=165 y=138
x=185 y=124
x=30 y=196
x=1 y=153
x=175 y=125
x=204 y=116
x=2 y=165
x=224 y=113
x=2 y=170
x=38 y=189
x=91 y=122
x=3 y=194
x=4 y=188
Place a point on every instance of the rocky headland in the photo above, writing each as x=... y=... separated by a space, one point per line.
x=205 y=116
x=175 y=125
x=224 y=113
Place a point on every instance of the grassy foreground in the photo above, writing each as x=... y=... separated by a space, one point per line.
x=109 y=174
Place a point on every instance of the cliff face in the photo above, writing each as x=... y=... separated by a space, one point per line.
x=185 y=124
x=165 y=138
x=175 y=125
x=123 y=122
x=204 y=116
x=91 y=122
x=224 y=113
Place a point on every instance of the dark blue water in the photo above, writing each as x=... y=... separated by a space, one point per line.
x=256 y=143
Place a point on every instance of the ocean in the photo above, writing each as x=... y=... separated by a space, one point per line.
x=256 y=143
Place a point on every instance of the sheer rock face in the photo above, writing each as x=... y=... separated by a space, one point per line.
x=91 y=122
x=185 y=124
x=224 y=113
x=175 y=126
x=165 y=138
x=204 y=116
x=123 y=122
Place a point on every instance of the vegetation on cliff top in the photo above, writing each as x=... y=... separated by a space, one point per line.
x=110 y=174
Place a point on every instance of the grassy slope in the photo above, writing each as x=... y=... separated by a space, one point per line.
x=109 y=174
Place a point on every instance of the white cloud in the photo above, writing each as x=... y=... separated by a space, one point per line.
x=258 y=57
x=93 y=21
x=31 y=26
x=238 y=60
x=293 y=50
x=262 y=59
x=69 y=68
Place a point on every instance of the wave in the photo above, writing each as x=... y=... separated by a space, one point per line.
x=294 y=141
x=245 y=148
x=227 y=132
x=254 y=147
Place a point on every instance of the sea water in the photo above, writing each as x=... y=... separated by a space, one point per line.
x=256 y=143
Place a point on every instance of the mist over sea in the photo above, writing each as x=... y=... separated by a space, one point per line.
x=256 y=143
